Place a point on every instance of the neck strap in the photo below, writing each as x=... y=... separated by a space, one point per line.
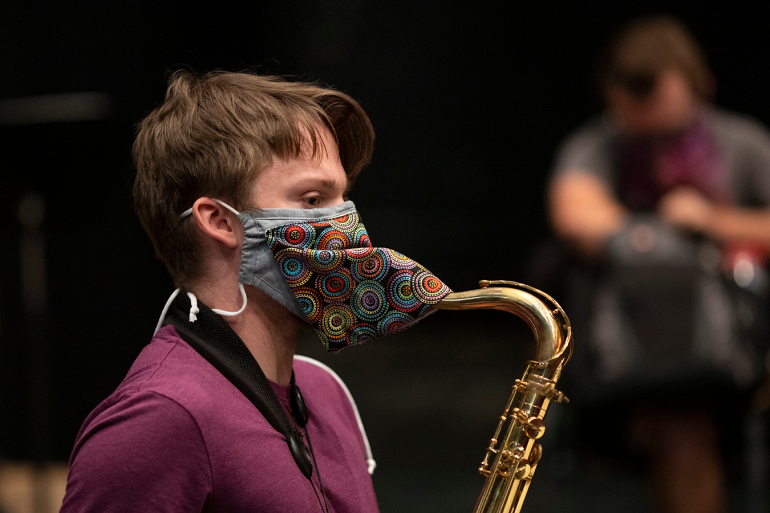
x=216 y=341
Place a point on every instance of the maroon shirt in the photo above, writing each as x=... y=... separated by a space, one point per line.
x=178 y=436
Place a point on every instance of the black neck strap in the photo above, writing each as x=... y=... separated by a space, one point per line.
x=216 y=341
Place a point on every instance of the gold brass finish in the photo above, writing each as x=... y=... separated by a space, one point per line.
x=534 y=427
x=512 y=456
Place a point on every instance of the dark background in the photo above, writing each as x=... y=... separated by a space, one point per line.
x=469 y=102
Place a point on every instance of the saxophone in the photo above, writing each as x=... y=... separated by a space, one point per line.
x=512 y=455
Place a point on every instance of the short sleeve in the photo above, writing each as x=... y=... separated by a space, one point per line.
x=746 y=144
x=589 y=149
x=143 y=453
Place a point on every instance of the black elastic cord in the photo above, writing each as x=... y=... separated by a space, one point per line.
x=318 y=472
x=301 y=416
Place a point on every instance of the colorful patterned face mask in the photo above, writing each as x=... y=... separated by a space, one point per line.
x=328 y=273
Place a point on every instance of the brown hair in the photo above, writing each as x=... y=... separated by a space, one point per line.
x=214 y=133
x=647 y=46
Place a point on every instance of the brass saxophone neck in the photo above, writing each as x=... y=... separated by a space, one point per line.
x=548 y=322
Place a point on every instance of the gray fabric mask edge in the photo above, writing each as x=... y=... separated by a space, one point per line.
x=259 y=267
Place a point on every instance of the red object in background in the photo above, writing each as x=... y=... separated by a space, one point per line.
x=744 y=261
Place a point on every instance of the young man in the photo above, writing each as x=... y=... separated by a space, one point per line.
x=240 y=184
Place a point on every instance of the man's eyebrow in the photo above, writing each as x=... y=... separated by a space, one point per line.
x=333 y=184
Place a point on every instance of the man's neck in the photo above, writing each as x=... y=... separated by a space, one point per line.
x=268 y=330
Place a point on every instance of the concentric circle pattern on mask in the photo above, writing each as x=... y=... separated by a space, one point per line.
x=359 y=254
x=336 y=321
x=393 y=322
x=335 y=286
x=361 y=333
x=361 y=237
x=346 y=223
x=399 y=261
x=298 y=235
x=401 y=293
x=324 y=260
x=292 y=264
x=369 y=301
x=428 y=288
x=334 y=240
x=310 y=301
x=373 y=268
x=350 y=291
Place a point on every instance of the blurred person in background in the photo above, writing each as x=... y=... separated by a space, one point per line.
x=665 y=199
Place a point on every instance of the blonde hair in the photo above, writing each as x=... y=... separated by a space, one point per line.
x=211 y=137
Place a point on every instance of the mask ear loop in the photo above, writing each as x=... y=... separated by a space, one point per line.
x=228 y=207
x=194 y=310
x=240 y=285
x=165 y=310
x=193 y=300
x=230 y=314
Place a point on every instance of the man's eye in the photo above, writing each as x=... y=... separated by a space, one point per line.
x=313 y=201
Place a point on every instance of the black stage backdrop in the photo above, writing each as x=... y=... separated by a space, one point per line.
x=468 y=101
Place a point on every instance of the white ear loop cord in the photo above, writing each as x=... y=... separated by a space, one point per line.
x=230 y=314
x=370 y=463
x=165 y=309
x=194 y=310
x=193 y=307
x=228 y=207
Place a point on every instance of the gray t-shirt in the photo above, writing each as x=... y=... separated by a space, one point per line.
x=656 y=309
x=743 y=143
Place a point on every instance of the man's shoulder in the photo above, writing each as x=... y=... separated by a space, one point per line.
x=736 y=127
x=588 y=148
x=124 y=450
x=168 y=366
x=168 y=379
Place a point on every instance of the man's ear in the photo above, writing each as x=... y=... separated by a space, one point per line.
x=216 y=221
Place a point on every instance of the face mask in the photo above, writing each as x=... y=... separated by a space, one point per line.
x=321 y=266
